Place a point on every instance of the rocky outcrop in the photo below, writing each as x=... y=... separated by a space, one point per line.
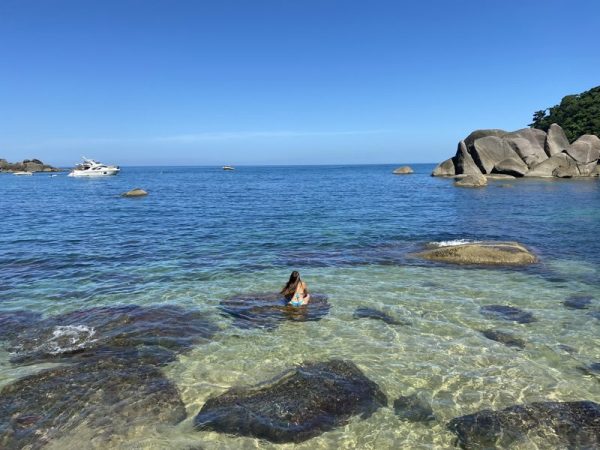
x=404 y=170
x=137 y=192
x=28 y=165
x=472 y=181
x=527 y=152
x=486 y=253
x=573 y=425
x=299 y=404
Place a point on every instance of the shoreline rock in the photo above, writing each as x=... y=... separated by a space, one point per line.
x=528 y=152
x=27 y=165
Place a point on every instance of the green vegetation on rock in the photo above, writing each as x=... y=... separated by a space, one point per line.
x=576 y=114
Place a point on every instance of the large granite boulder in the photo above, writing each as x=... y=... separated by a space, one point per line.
x=299 y=404
x=511 y=166
x=472 y=181
x=585 y=151
x=549 y=168
x=537 y=138
x=477 y=134
x=531 y=154
x=107 y=396
x=556 y=140
x=486 y=253
x=573 y=425
x=490 y=150
x=463 y=161
x=444 y=169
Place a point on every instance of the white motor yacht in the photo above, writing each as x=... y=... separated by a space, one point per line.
x=22 y=173
x=91 y=168
x=228 y=168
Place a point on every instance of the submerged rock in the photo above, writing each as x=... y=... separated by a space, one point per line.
x=118 y=328
x=404 y=170
x=370 y=313
x=578 y=301
x=413 y=409
x=505 y=312
x=487 y=253
x=268 y=310
x=472 y=181
x=504 y=338
x=15 y=321
x=591 y=369
x=137 y=192
x=299 y=404
x=572 y=424
x=108 y=396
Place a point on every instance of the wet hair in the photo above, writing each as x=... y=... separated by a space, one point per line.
x=291 y=285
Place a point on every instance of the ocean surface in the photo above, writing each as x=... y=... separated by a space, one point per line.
x=204 y=235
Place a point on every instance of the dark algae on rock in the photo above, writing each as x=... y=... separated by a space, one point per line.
x=503 y=337
x=413 y=409
x=113 y=379
x=504 y=312
x=299 y=404
x=371 y=313
x=108 y=395
x=572 y=425
x=269 y=310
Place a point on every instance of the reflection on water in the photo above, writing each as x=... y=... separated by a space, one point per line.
x=200 y=240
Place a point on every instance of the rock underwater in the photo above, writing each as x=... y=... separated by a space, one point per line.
x=108 y=396
x=371 y=313
x=486 y=253
x=113 y=380
x=505 y=312
x=269 y=310
x=299 y=404
x=573 y=425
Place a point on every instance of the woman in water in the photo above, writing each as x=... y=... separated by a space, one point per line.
x=295 y=291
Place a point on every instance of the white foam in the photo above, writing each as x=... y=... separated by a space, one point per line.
x=69 y=338
x=453 y=242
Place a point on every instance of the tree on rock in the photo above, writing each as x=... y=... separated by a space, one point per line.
x=576 y=114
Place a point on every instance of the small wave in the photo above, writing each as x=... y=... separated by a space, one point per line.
x=69 y=338
x=452 y=242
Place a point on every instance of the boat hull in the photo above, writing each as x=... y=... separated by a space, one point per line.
x=94 y=173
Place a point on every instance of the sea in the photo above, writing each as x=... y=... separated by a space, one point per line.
x=204 y=235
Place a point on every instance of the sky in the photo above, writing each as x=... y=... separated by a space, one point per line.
x=281 y=81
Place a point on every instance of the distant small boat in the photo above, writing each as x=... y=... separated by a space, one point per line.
x=22 y=173
x=228 y=168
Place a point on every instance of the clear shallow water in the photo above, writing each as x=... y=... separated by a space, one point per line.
x=203 y=235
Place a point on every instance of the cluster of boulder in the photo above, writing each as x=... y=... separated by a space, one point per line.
x=28 y=165
x=524 y=153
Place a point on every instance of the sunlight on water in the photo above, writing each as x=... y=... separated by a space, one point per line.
x=438 y=349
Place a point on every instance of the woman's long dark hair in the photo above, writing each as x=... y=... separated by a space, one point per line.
x=291 y=285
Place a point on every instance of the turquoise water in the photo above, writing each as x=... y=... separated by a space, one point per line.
x=204 y=235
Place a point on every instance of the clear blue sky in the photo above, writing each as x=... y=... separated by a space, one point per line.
x=281 y=81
